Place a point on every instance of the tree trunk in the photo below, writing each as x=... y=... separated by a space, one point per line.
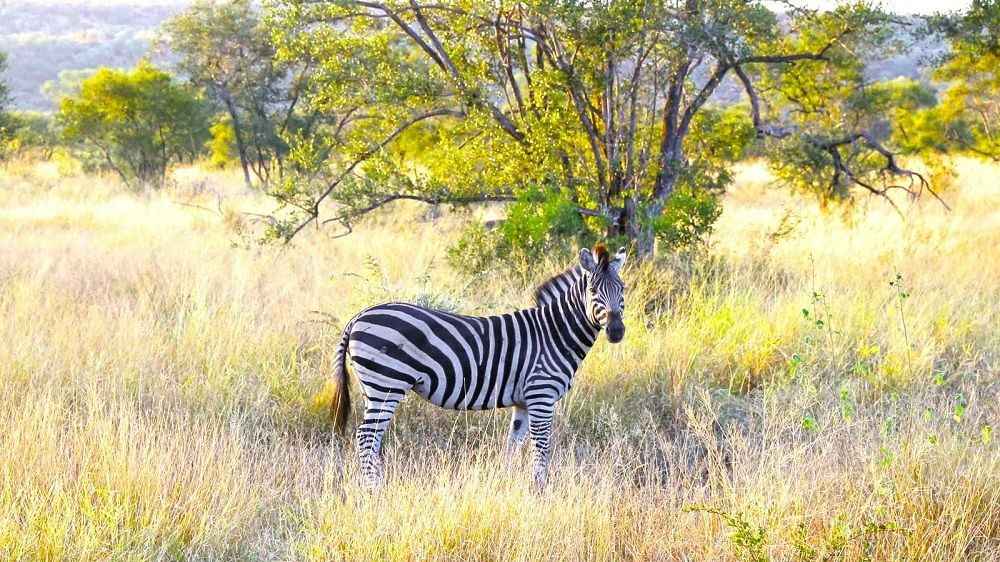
x=671 y=162
x=238 y=133
x=645 y=237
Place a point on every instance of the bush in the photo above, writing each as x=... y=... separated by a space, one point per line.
x=222 y=151
x=31 y=131
x=539 y=222
x=687 y=220
x=135 y=122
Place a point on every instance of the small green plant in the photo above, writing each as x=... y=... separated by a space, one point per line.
x=831 y=544
x=902 y=293
x=847 y=407
x=819 y=316
x=793 y=364
x=958 y=412
x=749 y=541
x=886 y=457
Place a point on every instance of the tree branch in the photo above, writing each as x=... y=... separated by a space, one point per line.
x=314 y=211
x=706 y=91
x=345 y=218
x=832 y=147
x=891 y=167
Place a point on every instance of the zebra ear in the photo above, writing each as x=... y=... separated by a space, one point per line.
x=587 y=261
x=619 y=260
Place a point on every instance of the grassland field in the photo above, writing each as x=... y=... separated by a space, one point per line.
x=821 y=386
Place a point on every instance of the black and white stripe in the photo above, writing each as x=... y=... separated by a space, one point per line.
x=525 y=359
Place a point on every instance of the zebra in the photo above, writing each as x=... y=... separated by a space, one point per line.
x=523 y=360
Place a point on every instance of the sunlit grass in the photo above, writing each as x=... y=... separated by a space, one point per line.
x=821 y=388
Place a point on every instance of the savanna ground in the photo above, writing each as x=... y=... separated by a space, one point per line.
x=821 y=388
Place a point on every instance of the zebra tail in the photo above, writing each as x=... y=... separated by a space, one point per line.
x=340 y=405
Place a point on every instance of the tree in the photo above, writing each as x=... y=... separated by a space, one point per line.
x=221 y=147
x=7 y=124
x=67 y=83
x=602 y=105
x=136 y=122
x=967 y=118
x=33 y=131
x=225 y=48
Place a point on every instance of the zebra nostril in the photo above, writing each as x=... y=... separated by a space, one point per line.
x=615 y=332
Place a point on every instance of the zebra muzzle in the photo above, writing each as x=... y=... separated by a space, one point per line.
x=616 y=327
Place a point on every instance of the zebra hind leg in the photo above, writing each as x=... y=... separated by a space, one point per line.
x=380 y=405
x=518 y=432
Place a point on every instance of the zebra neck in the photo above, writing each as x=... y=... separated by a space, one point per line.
x=577 y=300
x=557 y=286
x=576 y=330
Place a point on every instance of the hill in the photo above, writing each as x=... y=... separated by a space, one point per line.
x=45 y=37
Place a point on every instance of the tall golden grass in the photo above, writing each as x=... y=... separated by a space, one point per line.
x=824 y=387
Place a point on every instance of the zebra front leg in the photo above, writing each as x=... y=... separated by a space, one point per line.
x=518 y=432
x=540 y=426
x=378 y=413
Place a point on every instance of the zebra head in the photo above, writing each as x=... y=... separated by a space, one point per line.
x=605 y=289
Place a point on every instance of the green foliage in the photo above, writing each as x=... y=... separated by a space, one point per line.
x=426 y=102
x=222 y=151
x=830 y=542
x=883 y=110
x=844 y=132
x=967 y=120
x=540 y=222
x=687 y=220
x=749 y=541
x=7 y=125
x=225 y=48
x=719 y=138
x=540 y=218
x=135 y=122
x=32 y=131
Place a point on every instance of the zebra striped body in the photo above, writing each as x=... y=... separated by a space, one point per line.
x=524 y=359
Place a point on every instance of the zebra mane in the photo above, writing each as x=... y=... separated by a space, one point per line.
x=557 y=286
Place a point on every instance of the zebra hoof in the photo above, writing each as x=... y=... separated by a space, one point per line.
x=373 y=486
x=538 y=484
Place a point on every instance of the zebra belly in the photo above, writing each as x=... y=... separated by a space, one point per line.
x=503 y=402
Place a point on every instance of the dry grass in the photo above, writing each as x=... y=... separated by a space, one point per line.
x=163 y=391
